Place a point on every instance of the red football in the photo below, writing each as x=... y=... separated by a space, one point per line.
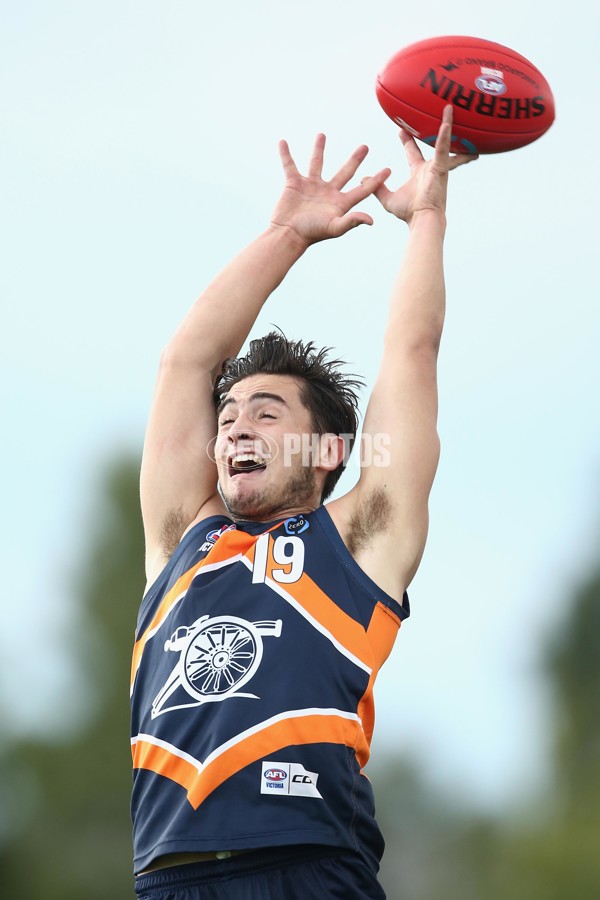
x=501 y=101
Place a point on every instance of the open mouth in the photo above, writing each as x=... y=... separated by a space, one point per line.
x=243 y=463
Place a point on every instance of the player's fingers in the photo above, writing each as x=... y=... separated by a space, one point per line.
x=289 y=166
x=368 y=185
x=343 y=224
x=461 y=159
x=315 y=166
x=348 y=170
x=444 y=138
x=384 y=195
x=413 y=154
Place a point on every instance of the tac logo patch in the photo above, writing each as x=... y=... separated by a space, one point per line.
x=288 y=780
x=213 y=536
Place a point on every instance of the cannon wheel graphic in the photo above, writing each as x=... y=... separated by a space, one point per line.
x=218 y=656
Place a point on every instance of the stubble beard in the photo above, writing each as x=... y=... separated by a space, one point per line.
x=298 y=491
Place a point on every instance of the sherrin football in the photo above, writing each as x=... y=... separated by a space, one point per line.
x=501 y=101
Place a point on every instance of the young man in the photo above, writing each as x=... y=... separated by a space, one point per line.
x=267 y=614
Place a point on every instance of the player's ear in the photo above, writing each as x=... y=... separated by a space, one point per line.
x=332 y=451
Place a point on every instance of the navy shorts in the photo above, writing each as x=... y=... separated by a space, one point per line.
x=293 y=873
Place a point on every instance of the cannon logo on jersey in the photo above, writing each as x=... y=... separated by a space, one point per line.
x=216 y=657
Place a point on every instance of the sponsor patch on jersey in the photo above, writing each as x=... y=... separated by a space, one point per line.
x=213 y=536
x=288 y=780
x=296 y=524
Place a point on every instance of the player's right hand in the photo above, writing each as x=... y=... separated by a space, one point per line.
x=315 y=209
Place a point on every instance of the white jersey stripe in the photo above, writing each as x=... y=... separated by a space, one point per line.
x=255 y=729
x=210 y=567
x=314 y=622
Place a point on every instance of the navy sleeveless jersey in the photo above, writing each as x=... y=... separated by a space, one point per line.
x=252 y=707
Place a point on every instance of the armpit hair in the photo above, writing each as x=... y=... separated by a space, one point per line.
x=172 y=531
x=373 y=515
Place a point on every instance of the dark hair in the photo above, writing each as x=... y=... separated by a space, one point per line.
x=328 y=394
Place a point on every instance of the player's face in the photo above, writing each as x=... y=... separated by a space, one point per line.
x=260 y=425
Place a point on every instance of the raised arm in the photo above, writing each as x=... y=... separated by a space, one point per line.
x=384 y=519
x=178 y=478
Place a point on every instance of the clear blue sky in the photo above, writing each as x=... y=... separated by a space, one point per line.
x=139 y=153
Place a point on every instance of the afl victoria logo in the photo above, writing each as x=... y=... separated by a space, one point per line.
x=275 y=775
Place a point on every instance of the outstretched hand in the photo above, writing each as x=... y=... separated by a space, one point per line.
x=428 y=183
x=316 y=209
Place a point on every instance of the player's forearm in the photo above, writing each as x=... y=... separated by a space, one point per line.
x=220 y=320
x=417 y=308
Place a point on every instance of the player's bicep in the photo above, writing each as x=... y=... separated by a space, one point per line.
x=401 y=425
x=178 y=474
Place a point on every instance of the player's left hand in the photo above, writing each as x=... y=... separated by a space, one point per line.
x=427 y=186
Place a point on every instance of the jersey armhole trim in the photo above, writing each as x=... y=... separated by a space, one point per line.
x=401 y=610
x=180 y=549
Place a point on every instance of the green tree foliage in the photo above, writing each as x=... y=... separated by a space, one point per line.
x=573 y=663
x=76 y=842
x=434 y=850
x=546 y=850
x=558 y=858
